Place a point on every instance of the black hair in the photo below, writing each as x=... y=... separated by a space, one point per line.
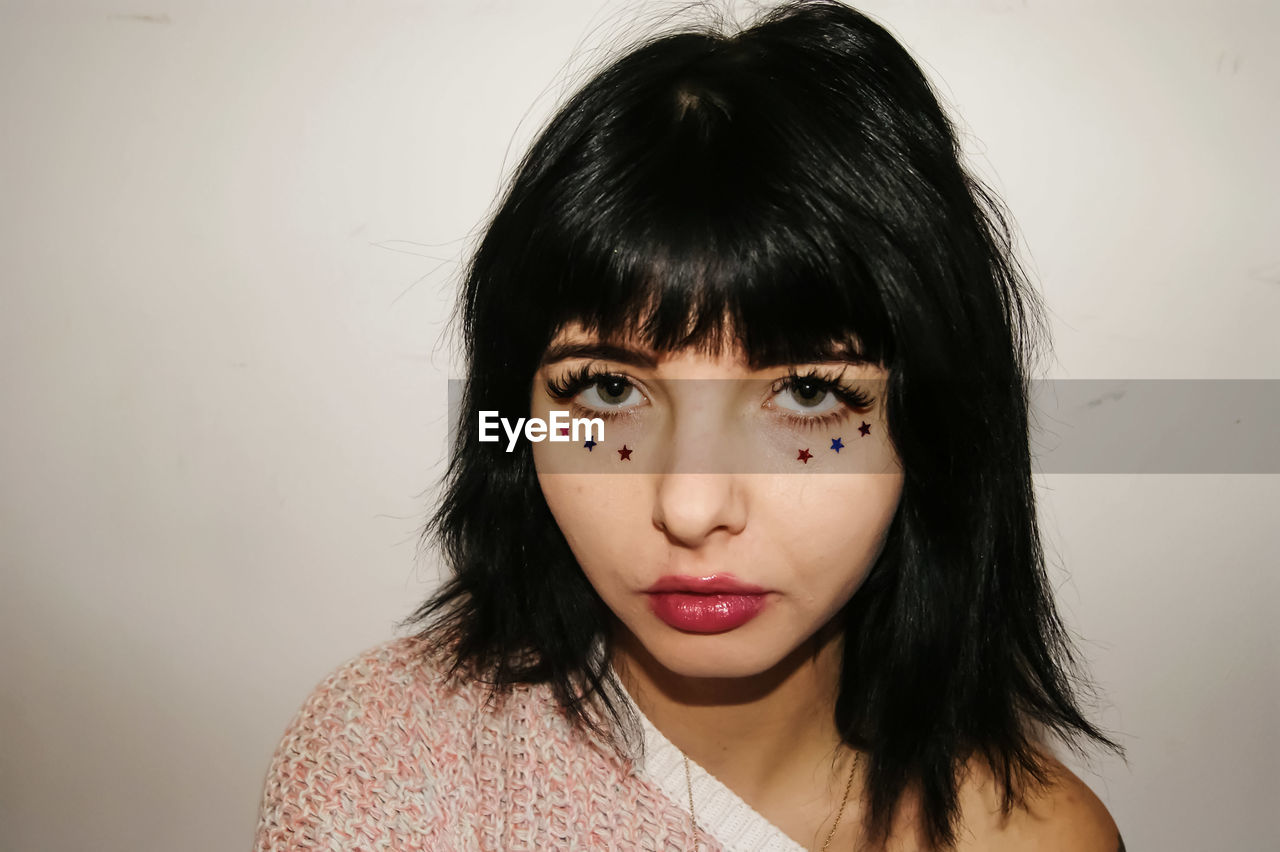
x=787 y=185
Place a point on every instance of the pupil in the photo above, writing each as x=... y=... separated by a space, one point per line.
x=613 y=389
x=810 y=392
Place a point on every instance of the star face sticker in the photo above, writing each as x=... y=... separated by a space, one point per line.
x=837 y=444
x=804 y=456
x=589 y=445
x=625 y=453
x=563 y=430
x=865 y=429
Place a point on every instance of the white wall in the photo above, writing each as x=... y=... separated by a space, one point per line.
x=228 y=239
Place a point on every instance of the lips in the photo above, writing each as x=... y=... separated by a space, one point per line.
x=712 y=604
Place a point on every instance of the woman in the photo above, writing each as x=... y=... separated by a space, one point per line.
x=793 y=597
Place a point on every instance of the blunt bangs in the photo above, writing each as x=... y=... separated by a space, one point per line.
x=664 y=263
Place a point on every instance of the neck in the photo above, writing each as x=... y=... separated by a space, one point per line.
x=770 y=737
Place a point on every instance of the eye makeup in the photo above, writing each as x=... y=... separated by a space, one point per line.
x=813 y=381
x=568 y=388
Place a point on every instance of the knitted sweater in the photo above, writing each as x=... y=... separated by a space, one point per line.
x=385 y=754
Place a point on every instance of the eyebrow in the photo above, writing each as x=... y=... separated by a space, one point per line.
x=555 y=353
x=597 y=349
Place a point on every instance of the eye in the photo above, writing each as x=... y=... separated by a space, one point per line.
x=611 y=392
x=596 y=392
x=815 y=400
x=808 y=396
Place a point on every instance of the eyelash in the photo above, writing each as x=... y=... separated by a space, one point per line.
x=854 y=399
x=576 y=381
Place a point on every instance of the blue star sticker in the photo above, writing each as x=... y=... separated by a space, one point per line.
x=589 y=445
x=836 y=444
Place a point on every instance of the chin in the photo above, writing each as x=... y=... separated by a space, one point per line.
x=733 y=654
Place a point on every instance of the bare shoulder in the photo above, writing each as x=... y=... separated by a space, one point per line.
x=1065 y=816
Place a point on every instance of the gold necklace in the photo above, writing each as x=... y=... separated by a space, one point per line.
x=693 y=818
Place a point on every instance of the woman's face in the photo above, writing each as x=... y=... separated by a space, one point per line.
x=710 y=473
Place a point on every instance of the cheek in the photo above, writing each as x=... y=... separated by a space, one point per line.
x=836 y=525
x=568 y=497
x=597 y=514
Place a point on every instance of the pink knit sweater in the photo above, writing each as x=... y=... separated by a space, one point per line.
x=386 y=755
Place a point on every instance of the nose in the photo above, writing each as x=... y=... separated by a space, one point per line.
x=691 y=507
x=698 y=493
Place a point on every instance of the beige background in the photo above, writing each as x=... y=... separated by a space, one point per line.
x=228 y=240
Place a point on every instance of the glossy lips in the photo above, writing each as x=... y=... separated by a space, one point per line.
x=713 y=604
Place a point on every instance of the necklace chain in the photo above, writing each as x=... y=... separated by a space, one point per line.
x=693 y=818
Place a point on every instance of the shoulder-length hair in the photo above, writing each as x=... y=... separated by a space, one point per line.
x=785 y=186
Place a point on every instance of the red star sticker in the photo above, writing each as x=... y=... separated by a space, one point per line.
x=804 y=456
x=625 y=453
x=563 y=430
x=865 y=429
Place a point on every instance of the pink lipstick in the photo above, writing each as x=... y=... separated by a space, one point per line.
x=712 y=604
